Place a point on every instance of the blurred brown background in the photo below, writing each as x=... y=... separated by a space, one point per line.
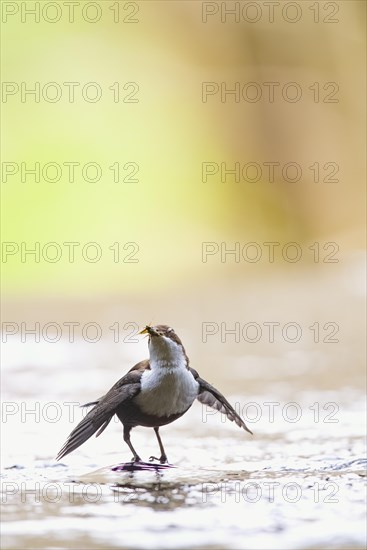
x=179 y=62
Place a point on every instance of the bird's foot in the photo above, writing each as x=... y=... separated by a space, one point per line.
x=163 y=459
x=136 y=459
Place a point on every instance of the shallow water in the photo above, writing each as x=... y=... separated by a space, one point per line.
x=291 y=485
x=298 y=483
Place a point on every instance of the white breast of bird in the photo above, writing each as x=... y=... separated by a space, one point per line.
x=167 y=390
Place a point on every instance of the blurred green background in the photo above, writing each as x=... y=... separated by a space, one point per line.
x=163 y=62
x=169 y=52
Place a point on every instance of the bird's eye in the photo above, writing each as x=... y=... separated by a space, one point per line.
x=170 y=330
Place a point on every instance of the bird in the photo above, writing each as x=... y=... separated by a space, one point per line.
x=154 y=393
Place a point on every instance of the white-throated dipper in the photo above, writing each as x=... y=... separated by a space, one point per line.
x=155 y=392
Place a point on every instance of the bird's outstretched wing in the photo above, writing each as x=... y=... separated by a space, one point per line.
x=103 y=411
x=208 y=395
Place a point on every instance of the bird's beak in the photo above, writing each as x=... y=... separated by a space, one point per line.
x=148 y=330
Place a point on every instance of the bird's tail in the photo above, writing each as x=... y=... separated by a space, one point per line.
x=90 y=403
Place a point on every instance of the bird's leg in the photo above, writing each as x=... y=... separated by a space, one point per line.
x=163 y=457
x=127 y=430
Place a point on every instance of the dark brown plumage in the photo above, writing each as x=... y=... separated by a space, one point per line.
x=165 y=386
